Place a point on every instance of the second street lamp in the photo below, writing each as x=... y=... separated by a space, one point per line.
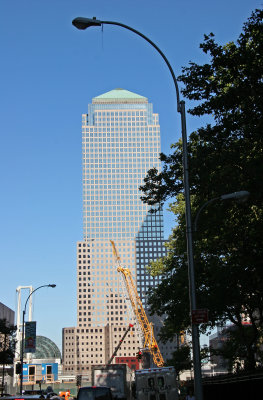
x=83 y=23
x=238 y=196
x=23 y=332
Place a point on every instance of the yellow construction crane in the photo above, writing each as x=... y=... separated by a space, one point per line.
x=141 y=317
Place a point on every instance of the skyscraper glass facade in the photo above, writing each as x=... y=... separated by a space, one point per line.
x=120 y=143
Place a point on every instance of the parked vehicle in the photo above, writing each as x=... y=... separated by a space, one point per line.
x=23 y=397
x=33 y=392
x=94 y=393
x=115 y=376
x=31 y=395
x=156 y=384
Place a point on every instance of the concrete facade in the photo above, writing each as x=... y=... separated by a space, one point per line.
x=7 y=313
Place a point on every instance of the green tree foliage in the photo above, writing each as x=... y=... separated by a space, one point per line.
x=233 y=347
x=224 y=157
x=7 y=342
x=181 y=359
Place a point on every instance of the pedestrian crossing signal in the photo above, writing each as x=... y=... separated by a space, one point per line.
x=18 y=368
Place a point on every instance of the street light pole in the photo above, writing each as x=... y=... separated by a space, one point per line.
x=23 y=332
x=83 y=23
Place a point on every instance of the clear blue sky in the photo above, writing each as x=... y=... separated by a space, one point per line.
x=49 y=73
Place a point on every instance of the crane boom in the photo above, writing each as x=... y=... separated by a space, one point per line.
x=120 y=343
x=141 y=317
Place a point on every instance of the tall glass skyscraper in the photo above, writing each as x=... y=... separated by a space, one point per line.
x=120 y=143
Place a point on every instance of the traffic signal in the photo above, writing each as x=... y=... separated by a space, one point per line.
x=78 y=380
x=182 y=337
x=139 y=355
x=155 y=348
x=18 y=368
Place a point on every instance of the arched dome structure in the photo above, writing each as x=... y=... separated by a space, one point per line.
x=45 y=348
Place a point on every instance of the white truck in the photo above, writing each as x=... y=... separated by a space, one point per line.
x=156 y=384
x=115 y=376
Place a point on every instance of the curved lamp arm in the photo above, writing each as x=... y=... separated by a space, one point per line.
x=240 y=196
x=50 y=285
x=200 y=209
x=83 y=23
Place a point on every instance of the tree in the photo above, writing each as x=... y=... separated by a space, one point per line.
x=224 y=157
x=7 y=346
x=232 y=348
x=181 y=359
x=7 y=342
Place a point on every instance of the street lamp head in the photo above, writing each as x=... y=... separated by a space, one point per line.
x=83 y=23
x=52 y=285
x=241 y=196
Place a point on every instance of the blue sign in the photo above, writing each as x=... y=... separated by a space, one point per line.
x=30 y=337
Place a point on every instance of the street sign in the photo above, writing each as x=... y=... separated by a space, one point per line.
x=200 y=316
x=30 y=337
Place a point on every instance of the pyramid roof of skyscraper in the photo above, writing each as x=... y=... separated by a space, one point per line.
x=120 y=95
